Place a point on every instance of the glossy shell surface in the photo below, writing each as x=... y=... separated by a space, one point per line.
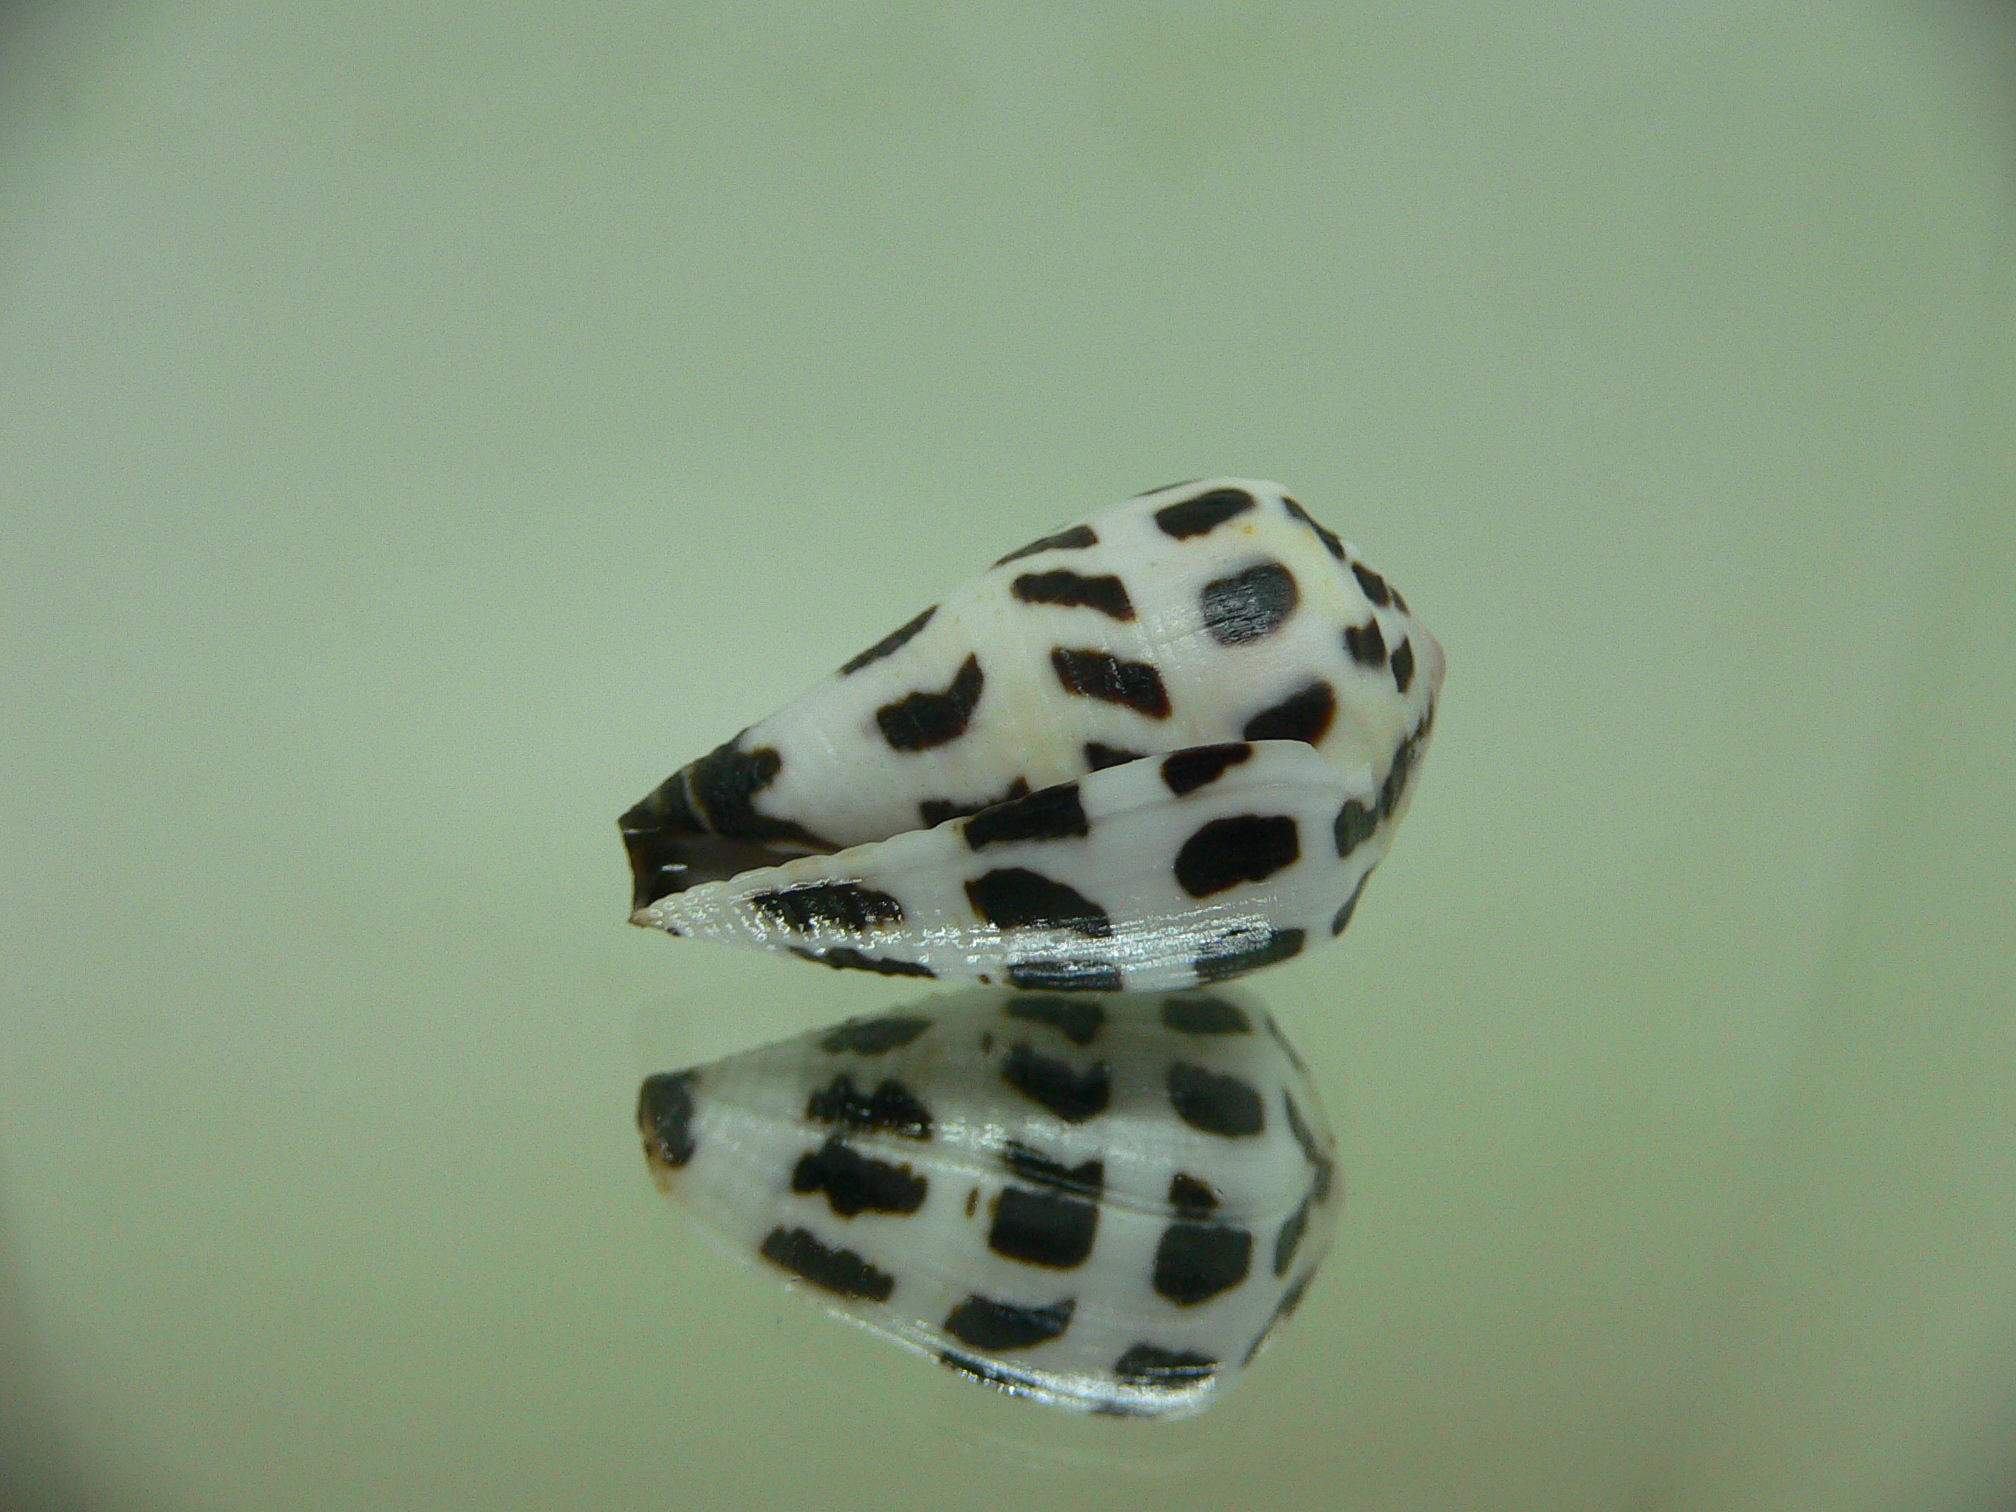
x=1105 y=1203
x=1155 y=749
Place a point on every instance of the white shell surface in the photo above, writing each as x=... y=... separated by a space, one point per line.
x=837 y=763
x=1107 y=1203
x=1215 y=613
x=1121 y=882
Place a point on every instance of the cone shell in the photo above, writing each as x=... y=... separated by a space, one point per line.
x=1158 y=748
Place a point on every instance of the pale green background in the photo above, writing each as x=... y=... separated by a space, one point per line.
x=423 y=426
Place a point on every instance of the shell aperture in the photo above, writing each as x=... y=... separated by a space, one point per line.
x=1107 y=1203
x=1158 y=748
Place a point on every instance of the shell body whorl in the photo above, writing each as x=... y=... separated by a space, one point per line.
x=1007 y=787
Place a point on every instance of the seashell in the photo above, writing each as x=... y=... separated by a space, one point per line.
x=1156 y=749
x=1106 y=1204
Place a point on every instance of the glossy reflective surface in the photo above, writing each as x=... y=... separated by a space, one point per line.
x=1107 y=1202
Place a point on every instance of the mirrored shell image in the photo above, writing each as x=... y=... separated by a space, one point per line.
x=1153 y=750
x=1103 y=1203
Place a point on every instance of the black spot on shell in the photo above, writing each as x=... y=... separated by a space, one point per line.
x=1013 y=897
x=847 y=958
x=1190 y=1196
x=724 y=784
x=1203 y=514
x=1071 y=1094
x=856 y=1183
x=890 y=1109
x=1289 y=1239
x=1196 y=1261
x=838 y=905
x=1403 y=665
x=1100 y=675
x=921 y=721
x=1328 y=537
x=1354 y=825
x=1248 y=605
x=1303 y=715
x=1077 y=538
x=1319 y=1160
x=1052 y=813
x=1187 y=770
x=895 y=640
x=1074 y=1018
x=1225 y=960
x=1069 y=590
x=665 y=1117
x=1226 y=1105
x=1239 y=848
x=986 y=1324
x=1337 y=925
x=935 y=811
x=1366 y=644
x=701 y=825
x=1169 y=1369
x=1052 y=1225
x=1292 y=1298
x=1205 y=1015
x=1373 y=584
x=874 y=1036
x=1401 y=769
x=1098 y=757
x=840 y=1271
x=1064 y=976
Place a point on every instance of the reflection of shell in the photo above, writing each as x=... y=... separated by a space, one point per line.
x=1183 y=731
x=1104 y=1203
